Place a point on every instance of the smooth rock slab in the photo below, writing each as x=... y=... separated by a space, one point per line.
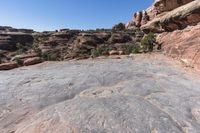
x=137 y=95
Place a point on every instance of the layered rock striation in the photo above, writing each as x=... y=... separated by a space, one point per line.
x=9 y=37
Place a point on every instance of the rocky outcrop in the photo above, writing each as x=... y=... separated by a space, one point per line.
x=139 y=19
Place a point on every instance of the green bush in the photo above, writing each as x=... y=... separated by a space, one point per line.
x=38 y=51
x=147 y=42
x=19 y=62
x=51 y=56
x=128 y=49
x=21 y=48
x=99 y=50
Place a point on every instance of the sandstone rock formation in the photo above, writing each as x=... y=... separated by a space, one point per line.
x=178 y=18
x=160 y=8
x=177 y=22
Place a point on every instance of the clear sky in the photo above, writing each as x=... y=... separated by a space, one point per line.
x=43 y=15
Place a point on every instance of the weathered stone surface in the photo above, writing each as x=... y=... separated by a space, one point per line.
x=8 y=66
x=183 y=45
x=32 y=61
x=143 y=95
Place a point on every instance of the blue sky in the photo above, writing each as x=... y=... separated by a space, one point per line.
x=43 y=15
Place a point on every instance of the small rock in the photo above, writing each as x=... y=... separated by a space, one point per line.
x=131 y=55
x=113 y=52
x=32 y=61
x=121 y=52
x=196 y=113
x=8 y=66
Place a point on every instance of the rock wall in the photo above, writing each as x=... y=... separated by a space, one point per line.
x=183 y=45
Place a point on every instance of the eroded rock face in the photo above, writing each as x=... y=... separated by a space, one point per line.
x=183 y=44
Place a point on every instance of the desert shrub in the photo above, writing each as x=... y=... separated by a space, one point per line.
x=44 y=38
x=99 y=50
x=21 y=48
x=38 y=51
x=51 y=56
x=19 y=62
x=128 y=49
x=147 y=42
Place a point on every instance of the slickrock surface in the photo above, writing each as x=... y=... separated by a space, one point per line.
x=142 y=94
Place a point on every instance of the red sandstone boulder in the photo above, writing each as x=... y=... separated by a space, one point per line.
x=32 y=61
x=8 y=66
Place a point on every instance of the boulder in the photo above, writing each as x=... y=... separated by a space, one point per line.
x=8 y=66
x=23 y=56
x=32 y=61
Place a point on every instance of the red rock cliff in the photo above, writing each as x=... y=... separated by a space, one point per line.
x=177 y=23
